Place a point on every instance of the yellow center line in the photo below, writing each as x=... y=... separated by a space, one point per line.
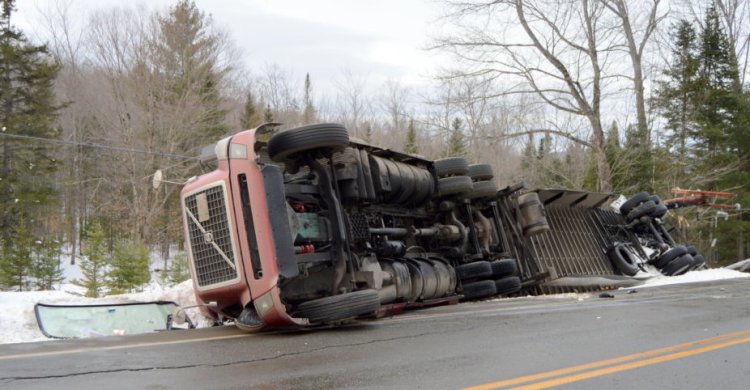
x=124 y=346
x=608 y=362
x=630 y=366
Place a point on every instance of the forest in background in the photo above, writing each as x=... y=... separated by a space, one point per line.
x=612 y=95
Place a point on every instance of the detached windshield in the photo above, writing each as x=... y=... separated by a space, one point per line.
x=78 y=321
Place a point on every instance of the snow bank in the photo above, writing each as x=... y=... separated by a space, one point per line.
x=18 y=320
x=693 y=277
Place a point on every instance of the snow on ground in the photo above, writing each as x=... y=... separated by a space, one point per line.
x=18 y=321
x=693 y=277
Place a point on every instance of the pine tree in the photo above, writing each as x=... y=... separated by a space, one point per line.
x=94 y=264
x=268 y=115
x=250 y=117
x=308 y=115
x=676 y=96
x=411 y=139
x=456 y=146
x=129 y=267
x=27 y=108
x=180 y=270
x=45 y=267
x=15 y=267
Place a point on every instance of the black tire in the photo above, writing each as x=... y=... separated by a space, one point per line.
x=634 y=201
x=454 y=185
x=678 y=266
x=692 y=250
x=673 y=253
x=475 y=270
x=659 y=211
x=508 y=285
x=645 y=208
x=284 y=145
x=451 y=166
x=698 y=262
x=655 y=198
x=480 y=289
x=480 y=172
x=623 y=260
x=483 y=189
x=339 y=307
x=504 y=267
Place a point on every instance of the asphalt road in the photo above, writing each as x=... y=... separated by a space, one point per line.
x=678 y=337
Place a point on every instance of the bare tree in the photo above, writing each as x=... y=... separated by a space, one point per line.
x=560 y=55
x=637 y=31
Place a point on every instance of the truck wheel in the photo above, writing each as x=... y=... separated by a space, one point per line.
x=670 y=255
x=659 y=211
x=679 y=265
x=480 y=172
x=451 y=166
x=284 y=145
x=508 y=285
x=698 y=262
x=480 y=289
x=646 y=208
x=339 y=307
x=634 y=200
x=504 y=267
x=483 y=189
x=454 y=185
x=623 y=260
x=475 y=270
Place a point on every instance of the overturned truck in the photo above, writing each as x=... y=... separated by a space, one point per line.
x=312 y=227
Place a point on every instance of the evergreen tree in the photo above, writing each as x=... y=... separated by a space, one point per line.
x=250 y=117
x=129 y=267
x=268 y=115
x=180 y=270
x=308 y=115
x=45 y=267
x=27 y=108
x=185 y=53
x=94 y=264
x=411 y=139
x=16 y=264
x=456 y=146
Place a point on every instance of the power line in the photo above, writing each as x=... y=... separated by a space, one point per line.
x=99 y=146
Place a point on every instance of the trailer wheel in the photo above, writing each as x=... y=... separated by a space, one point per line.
x=451 y=166
x=623 y=259
x=480 y=172
x=698 y=262
x=508 y=285
x=480 y=289
x=504 y=267
x=483 y=189
x=286 y=144
x=679 y=265
x=670 y=255
x=633 y=201
x=645 y=208
x=659 y=211
x=339 y=307
x=454 y=185
x=475 y=270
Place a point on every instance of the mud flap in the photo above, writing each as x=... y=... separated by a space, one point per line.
x=277 y=211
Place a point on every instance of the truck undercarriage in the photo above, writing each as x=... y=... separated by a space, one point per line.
x=312 y=227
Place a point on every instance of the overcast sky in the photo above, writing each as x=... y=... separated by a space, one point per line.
x=374 y=40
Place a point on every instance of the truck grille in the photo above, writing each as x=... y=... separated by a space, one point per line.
x=210 y=237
